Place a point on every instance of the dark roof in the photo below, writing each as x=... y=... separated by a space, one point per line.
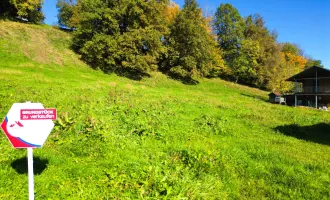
x=275 y=93
x=310 y=73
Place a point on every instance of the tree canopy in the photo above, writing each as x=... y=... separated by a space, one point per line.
x=191 y=49
x=142 y=36
x=120 y=35
x=138 y=36
x=68 y=13
x=31 y=10
x=252 y=52
x=229 y=27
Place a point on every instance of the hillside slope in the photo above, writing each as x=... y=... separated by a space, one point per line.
x=155 y=138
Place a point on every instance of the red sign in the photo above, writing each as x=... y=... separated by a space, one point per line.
x=38 y=114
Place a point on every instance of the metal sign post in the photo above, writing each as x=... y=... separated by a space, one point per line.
x=30 y=173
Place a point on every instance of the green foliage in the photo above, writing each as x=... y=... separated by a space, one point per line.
x=120 y=36
x=311 y=62
x=289 y=62
x=229 y=27
x=291 y=48
x=269 y=54
x=29 y=9
x=252 y=53
x=137 y=37
x=250 y=50
x=245 y=66
x=117 y=138
x=67 y=12
x=191 y=50
x=7 y=9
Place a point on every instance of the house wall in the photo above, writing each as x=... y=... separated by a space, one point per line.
x=309 y=86
x=308 y=100
x=324 y=85
x=289 y=99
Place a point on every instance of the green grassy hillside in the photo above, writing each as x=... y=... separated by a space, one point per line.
x=156 y=138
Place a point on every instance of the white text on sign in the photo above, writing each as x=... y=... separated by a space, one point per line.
x=38 y=114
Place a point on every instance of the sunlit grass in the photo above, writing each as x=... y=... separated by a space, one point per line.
x=155 y=138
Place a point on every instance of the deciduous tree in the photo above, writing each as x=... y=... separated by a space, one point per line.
x=29 y=9
x=192 y=51
x=269 y=53
x=229 y=27
x=68 y=13
x=120 y=35
x=311 y=62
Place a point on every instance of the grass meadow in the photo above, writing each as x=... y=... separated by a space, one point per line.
x=116 y=138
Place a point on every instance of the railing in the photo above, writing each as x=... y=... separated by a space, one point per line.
x=312 y=90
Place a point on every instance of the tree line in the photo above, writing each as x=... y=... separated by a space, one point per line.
x=138 y=36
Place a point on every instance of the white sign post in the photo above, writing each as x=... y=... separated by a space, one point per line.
x=27 y=125
x=30 y=173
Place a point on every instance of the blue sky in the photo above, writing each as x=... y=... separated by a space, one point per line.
x=303 y=22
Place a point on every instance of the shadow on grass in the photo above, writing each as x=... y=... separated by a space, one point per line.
x=129 y=73
x=21 y=165
x=255 y=96
x=132 y=74
x=318 y=133
x=183 y=79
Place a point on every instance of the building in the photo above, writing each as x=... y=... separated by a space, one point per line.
x=276 y=97
x=312 y=87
